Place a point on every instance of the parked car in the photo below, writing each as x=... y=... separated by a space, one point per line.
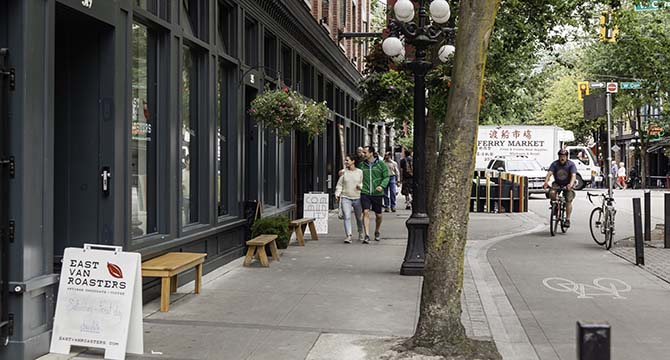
x=521 y=165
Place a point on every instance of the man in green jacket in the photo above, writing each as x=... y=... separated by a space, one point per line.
x=375 y=180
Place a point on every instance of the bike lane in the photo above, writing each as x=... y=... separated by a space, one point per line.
x=553 y=282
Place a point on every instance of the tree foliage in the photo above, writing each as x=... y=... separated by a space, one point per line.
x=523 y=29
x=641 y=53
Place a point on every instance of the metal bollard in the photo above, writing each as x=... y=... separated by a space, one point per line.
x=666 y=222
x=637 y=221
x=647 y=215
x=593 y=341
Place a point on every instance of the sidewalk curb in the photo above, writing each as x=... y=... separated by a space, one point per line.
x=504 y=324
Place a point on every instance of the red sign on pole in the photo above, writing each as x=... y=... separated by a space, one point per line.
x=612 y=87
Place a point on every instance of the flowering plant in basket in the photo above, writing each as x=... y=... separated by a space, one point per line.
x=284 y=111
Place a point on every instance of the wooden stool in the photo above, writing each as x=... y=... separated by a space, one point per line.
x=168 y=266
x=297 y=225
x=257 y=246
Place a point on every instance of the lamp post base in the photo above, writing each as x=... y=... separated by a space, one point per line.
x=417 y=230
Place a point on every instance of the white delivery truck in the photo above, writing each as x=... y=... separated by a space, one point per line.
x=534 y=142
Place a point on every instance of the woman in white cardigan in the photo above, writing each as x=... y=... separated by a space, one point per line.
x=348 y=192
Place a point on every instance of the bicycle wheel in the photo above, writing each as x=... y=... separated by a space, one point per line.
x=563 y=228
x=552 y=219
x=596 y=224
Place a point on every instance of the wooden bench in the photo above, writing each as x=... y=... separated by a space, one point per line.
x=257 y=246
x=168 y=267
x=298 y=225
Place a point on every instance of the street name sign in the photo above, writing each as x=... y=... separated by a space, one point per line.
x=652 y=5
x=99 y=301
x=612 y=87
x=597 y=85
x=630 y=85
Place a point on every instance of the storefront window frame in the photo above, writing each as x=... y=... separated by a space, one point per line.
x=161 y=131
x=198 y=112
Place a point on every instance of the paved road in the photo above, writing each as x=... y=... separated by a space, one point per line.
x=552 y=282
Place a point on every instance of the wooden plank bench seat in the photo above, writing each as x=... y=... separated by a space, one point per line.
x=168 y=267
x=257 y=246
x=299 y=226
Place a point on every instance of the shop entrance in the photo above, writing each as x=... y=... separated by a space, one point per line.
x=83 y=131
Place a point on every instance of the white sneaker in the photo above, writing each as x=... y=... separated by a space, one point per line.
x=361 y=236
x=347 y=240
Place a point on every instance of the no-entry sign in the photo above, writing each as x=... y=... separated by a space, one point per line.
x=612 y=87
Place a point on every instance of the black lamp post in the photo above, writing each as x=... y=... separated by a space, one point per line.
x=421 y=34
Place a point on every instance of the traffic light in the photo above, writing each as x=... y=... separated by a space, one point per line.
x=582 y=90
x=608 y=30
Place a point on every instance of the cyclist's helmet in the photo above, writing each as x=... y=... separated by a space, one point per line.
x=562 y=152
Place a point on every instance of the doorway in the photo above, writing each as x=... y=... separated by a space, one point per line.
x=83 y=112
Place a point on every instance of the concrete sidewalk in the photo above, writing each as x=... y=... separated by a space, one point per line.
x=327 y=300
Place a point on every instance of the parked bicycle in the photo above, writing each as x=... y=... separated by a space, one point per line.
x=557 y=215
x=601 y=221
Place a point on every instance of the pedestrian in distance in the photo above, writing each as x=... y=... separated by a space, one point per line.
x=375 y=179
x=391 y=190
x=614 y=172
x=358 y=158
x=348 y=193
x=621 y=176
x=407 y=178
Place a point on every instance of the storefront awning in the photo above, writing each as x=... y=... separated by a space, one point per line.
x=655 y=146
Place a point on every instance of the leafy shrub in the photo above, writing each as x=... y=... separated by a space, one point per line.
x=276 y=225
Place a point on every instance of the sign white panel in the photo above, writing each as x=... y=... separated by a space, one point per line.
x=316 y=206
x=99 y=302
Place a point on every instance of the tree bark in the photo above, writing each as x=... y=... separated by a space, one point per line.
x=439 y=327
x=431 y=146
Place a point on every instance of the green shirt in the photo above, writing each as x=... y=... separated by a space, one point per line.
x=374 y=174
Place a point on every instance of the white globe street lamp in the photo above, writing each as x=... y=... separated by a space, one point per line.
x=422 y=32
x=440 y=11
x=445 y=52
x=392 y=46
x=404 y=10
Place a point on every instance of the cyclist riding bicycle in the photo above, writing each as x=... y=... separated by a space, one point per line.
x=565 y=174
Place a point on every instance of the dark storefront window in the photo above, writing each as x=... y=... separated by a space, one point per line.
x=287 y=65
x=269 y=167
x=228 y=28
x=195 y=18
x=189 y=138
x=223 y=113
x=157 y=7
x=143 y=141
x=251 y=42
x=270 y=54
x=287 y=168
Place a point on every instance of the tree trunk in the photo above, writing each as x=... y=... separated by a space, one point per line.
x=431 y=146
x=439 y=327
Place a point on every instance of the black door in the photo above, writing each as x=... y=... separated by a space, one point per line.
x=83 y=135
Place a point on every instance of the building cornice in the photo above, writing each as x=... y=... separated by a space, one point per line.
x=294 y=16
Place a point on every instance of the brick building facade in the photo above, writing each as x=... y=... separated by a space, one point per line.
x=344 y=16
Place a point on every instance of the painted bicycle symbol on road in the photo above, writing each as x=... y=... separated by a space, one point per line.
x=601 y=287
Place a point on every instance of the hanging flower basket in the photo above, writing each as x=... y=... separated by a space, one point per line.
x=284 y=111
